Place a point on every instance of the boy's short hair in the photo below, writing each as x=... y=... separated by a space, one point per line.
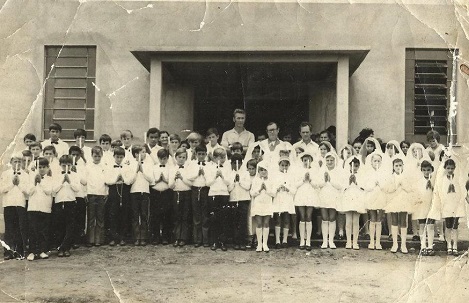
x=355 y=161
x=79 y=132
x=433 y=134
x=219 y=152
x=236 y=157
x=153 y=130
x=200 y=148
x=449 y=162
x=194 y=137
x=173 y=137
x=252 y=162
x=397 y=160
x=116 y=143
x=74 y=149
x=51 y=148
x=55 y=126
x=162 y=153
x=66 y=159
x=98 y=150
x=180 y=151
x=27 y=153
x=105 y=138
x=309 y=125
x=163 y=132
x=236 y=146
x=125 y=133
x=29 y=137
x=136 y=149
x=35 y=144
x=119 y=151
x=42 y=161
x=426 y=164
x=239 y=111
x=212 y=131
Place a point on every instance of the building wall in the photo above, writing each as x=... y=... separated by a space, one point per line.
x=117 y=27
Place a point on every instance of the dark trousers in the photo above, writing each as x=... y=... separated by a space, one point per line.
x=218 y=214
x=38 y=231
x=140 y=203
x=181 y=213
x=118 y=206
x=64 y=224
x=161 y=224
x=199 y=200
x=96 y=204
x=237 y=221
x=16 y=229
x=80 y=220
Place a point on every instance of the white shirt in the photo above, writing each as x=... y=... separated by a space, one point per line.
x=231 y=136
x=141 y=180
x=218 y=185
x=65 y=191
x=159 y=170
x=239 y=191
x=311 y=147
x=94 y=179
x=61 y=147
x=113 y=170
x=193 y=168
x=40 y=196
x=179 y=185
x=14 y=195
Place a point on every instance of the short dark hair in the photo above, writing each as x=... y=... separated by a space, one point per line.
x=42 y=161
x=26 y=153
x=272 y=123
x=404 y=142
x=29 y=137
x=153 y=130
x=51 y=148
x=303 y=124
x=162 y=153
x=79 y=132
x=125 y=132
x=236 y=146
x=74 y=149
x=449 y=162
x=55 y=126
x=116 y=143
x=66 y=159
x=212 y=131
x=239 y=111
x=97 y=150
x=136 y=149
x=355 y=161
x=119 y=151
x=366 y=132
x=425 y=163
x=200 y=148
x=105 y=138
x=35 y=144
x=237 y=157
x=174 y=137
x=252 y=162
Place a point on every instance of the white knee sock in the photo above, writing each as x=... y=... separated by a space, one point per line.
x=355 y=230
x=259 y=238
x=430 y=235
x=379 y=228
x=285 y=235
x=372 y=235
x=332 y=228
x=403 y=239
x=302 y=233
x=277 y=234
x=325 y=231
x=348 y=230
x=394 y=232
x=422 y=235
x=309 y=229
x=448 y=237
x=265 y=237
x=454 y=237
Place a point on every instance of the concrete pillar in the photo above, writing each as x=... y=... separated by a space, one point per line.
x=156 y=93
x=342 y=102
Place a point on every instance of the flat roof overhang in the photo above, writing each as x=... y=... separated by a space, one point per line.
x=145 y=56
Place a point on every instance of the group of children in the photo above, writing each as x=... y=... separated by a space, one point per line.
x=167 y=191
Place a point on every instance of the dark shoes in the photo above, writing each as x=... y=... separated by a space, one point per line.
x=223 y=247
x=214 y=246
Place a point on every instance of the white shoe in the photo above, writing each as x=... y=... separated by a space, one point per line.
x=356 y=246
x=265 y=248
x=371 y=246
x=378 y=247
x=404 y=250
x=332 y=245
x=259 y=248
x=348 y=245
x=394 y=249
x=324 y=245
x=43 y=255
x=30 y=257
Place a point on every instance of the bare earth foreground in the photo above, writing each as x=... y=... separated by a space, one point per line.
x=166 y=274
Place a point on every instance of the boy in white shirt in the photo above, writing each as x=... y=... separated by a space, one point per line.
x=219 y=178
x=151 y=144
x=49 y=152
x=61 y=147
x=105 y=143
x=14 y=184
x=118 y=179
x=181 y=185
x=79 y=167
x=94 y=179
x=66 y=186
x=141 y=179
x=160 y=201
x=39 y=210
x=80 y=137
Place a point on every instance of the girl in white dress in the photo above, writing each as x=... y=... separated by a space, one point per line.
x=309 y=181
x=261 y=206
x=284 y=186
x=329 y=197
x=353 y=200
x=375 y=196
x=399 y=204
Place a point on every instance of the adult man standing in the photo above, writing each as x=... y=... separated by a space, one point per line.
x=308 y=145
x=273 y=145
x=238 y=133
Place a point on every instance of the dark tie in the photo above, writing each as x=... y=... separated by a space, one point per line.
x=451 y=188
x=181 y=166
x=162 y=165
x=201 y=163
x=54 y=142
x=64 y=172
x=16 y=173
x=118 y=166
x=429 y=185
x=220 y=166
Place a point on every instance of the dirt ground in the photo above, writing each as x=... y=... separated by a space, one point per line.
x=188 y=274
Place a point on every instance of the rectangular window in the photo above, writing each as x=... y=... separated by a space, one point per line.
x=69 y=97
x=429 y=78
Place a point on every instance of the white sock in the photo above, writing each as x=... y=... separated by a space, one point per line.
x=265 y=237
x=302 y=233
x=454 y=237
x=356 y=228
x=332 y=228
x=372 y=234
x=348 y=228
x=394 y=232
x=259 y=236
x=285 y=235
x=309 y=229
x=325 y=230
x=379 y=228
x=448 y=237
x=403 y=237
x=277 y=234
x=422 y=235
x=430 y=235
